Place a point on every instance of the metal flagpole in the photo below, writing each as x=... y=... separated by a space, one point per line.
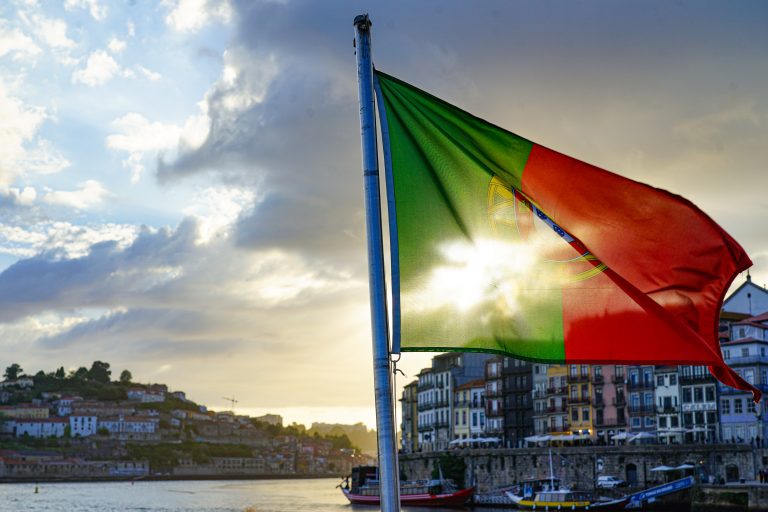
x=385 y=423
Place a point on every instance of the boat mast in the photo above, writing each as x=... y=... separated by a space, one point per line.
x=551 y=472
x=389 y=487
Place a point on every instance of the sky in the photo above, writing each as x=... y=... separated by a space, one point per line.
x=180 y=183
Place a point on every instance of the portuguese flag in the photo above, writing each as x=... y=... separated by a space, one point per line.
x=501 y=245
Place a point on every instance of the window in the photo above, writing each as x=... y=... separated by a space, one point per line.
x=673 y=422
x=659 y=380
x=710 y=393
x=457 y=418
x=687 y=395
x=662 y=422
x=598 y=371
x=738 y=406
x=648 y=400
x=711 y=418
x=463 y=417
x=634 y=400
x=698 y=394
x=673 y=380
x=635 y=422
x=633 y=376
x=751 y=406
x=749 y=375
x=725 y=406
x=650 y=421
x=585 y=414
x=618 y=371
x=574 y=415
x=745 y=352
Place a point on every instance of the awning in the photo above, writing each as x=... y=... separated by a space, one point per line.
x=620 y=436
x=663 y=468
x=684 y=466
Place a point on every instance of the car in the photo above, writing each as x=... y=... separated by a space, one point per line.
x=609 y=482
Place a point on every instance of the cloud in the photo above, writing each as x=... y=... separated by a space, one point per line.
x=51 y=31
x=21 y=150
x=99 y=69
x=140 y=136
x=15 y=43
x=192 y=15
x=116 y=45
x=91 y=193
x=148 y=73
x=96 y=9
x=19 y=196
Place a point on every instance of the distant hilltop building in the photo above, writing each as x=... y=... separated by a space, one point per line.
x=271 y=419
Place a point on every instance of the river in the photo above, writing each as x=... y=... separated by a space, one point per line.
x=320 y=495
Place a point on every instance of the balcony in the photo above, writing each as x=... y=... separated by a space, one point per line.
x=557 y=408
x=493 y=393
x=620 y=401
x=598 y=402
x=424 y=406
x=581 y=377
x=442 y=424
x=640 y=385
x=494 y=430
x=667 y=409
x=425 y=386
x=598 y=379
x=696 y=379
x=642 y=409
x=558 y=390
x=427 y=427
x=441 y=403
x=559 y=428
x=579 y=400
x=618 y=379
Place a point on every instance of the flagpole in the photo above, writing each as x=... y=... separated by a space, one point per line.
x=385 y=423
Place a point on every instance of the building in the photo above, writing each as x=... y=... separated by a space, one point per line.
x=409 y=432
x=748 y=299
x=48 y=427
x=642 y=408
x=270 y=419
x=557 y=401
x=580 y=415
x=425 y=393
x=539 y=396
x=740 y=419
x=668 y=414
x=494 y=397
x=610 y=416
x=83 y=426
x=518 y=402
x=469 y=412
x=25 y=411
x=698 y=404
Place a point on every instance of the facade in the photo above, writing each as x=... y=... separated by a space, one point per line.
x=740 y=419
x=642 y=408
x=409 y=440
x=748 y=299
x=83 y=426
x=49 y=427
x=24 y=411
x=518 y=402
x=557 y=401
x=580 y=400
x=609 y=413
x=668 y=417
x=425 y=392
x=494 y=397
x=469 y=412
x=698 y=404
x=539 y=397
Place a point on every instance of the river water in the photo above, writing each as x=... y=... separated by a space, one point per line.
x=320 y=495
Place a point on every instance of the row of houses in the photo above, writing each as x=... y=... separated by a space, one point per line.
x=467 y=398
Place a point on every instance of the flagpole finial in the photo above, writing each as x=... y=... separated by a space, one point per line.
x=362 y=19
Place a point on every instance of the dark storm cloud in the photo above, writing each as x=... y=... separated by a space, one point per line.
x=598 y=80
x=50 y=281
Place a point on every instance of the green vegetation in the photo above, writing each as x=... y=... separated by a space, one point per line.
x=164 y=456
x=453 y=468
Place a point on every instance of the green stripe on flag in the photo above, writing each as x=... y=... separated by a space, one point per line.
x=463 y=261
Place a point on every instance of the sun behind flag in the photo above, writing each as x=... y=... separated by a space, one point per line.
x=502 y=245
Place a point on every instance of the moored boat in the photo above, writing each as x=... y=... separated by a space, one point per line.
x=362 y=488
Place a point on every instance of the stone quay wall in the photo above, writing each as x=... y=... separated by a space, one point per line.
x=580 y=465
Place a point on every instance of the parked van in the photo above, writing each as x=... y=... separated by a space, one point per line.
x=609 y=482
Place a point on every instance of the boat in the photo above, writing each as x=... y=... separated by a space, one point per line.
x=549 y=494
x=362 y=488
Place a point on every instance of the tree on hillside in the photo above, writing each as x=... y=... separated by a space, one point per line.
x=60 y=373
x=100 y=372
x=13 y=372
x=80 y=374
x=125 y=376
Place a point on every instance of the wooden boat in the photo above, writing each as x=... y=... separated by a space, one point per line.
x=362 y=488
x=565 y=499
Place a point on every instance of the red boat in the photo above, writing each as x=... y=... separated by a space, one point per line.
x=364 y=490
